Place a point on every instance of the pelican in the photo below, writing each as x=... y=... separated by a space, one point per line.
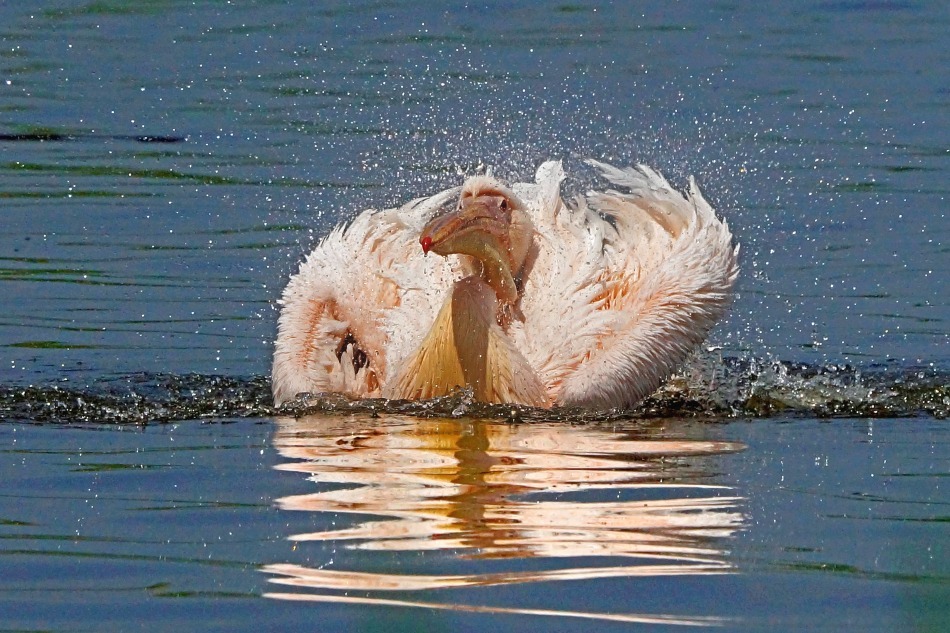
x=532 y=300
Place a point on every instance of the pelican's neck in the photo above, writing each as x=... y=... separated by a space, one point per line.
x=467 y=348
x=494 y=369
x=454 y=353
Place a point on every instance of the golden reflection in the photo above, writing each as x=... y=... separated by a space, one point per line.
x=490 y=490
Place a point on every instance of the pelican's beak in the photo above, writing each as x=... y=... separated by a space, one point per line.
x=477 y=224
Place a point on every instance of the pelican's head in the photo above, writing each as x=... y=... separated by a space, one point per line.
x=490 y=225
x=482 y=220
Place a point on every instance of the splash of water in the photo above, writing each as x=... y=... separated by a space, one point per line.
x=709 y=387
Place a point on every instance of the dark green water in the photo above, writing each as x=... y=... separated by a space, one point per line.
x=164 y=167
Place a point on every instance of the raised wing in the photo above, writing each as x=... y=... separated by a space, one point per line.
x=613 y=307
x=353 y=310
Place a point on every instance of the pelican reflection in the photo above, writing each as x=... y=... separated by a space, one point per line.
x=639 y=500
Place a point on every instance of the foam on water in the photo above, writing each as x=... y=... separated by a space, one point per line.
x=710 y=387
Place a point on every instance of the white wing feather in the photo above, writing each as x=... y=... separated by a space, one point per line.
x=369 y=279
x=668 y=275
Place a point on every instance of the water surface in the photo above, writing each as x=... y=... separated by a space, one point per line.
x=166 y=166
x=449 y=523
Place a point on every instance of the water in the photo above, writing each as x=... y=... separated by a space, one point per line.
x=166 y=166
x=405 y=523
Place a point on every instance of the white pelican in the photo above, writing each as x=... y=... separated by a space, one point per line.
x=533 y=300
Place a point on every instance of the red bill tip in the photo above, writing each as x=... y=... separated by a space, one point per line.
x=426 y=242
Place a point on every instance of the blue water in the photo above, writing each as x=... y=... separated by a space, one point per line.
x=166 y=166
x=818 y=527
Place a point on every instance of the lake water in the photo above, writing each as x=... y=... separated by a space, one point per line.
x=166 y=166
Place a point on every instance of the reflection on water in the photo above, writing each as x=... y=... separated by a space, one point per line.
x=539 y=501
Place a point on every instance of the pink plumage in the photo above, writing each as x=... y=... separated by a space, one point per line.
x=532 y=300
